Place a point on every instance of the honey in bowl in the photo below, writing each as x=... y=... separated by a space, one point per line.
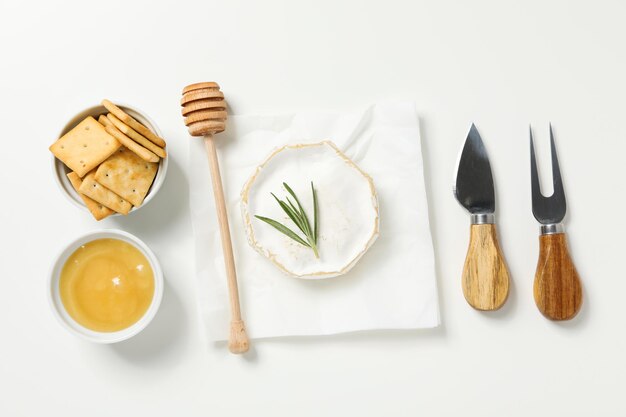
x=106 y=285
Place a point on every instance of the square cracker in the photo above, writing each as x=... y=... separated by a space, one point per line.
x=104 y=121
x=85 y=146
x=103 y=195
x=132 y=123
x=134 y=135
x=98 y=211
x=127 y=175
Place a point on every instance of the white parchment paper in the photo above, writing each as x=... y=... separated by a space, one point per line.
x=392 y=287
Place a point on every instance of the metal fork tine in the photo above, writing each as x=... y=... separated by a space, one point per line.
x=557 y=182
x=534 y=175
x=547 y=210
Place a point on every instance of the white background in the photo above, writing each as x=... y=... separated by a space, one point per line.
x=500 y=64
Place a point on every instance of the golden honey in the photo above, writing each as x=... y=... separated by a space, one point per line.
x=106 y=285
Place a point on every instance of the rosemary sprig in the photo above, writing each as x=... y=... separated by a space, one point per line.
x=298 y=216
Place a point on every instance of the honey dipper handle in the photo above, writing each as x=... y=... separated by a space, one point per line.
x=238 y=341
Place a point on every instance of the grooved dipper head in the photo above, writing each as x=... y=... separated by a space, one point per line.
x=204 y=108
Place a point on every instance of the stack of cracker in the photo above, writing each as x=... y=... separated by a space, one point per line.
x=113 y=161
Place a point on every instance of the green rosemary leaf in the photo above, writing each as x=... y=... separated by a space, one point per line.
x=315 y=220
x=298 y=216
x=283 y=229
x=303 y=216
x=295 y=211
x=293 y=206
x=290 y=191
x=292 y=214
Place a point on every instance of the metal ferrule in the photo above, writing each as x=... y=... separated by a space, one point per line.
x=552 y=229
x=483 y=218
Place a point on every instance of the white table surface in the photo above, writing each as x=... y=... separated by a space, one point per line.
x=502 y=65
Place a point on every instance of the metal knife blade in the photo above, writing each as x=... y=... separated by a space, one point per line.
x=474 y=182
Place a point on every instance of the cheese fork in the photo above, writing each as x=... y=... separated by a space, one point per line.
x=557 y=288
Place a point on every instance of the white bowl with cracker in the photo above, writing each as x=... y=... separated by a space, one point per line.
x=105 y=305
x=109 y=159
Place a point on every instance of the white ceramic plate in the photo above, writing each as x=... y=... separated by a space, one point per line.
x=60 y=171
x=347 y=207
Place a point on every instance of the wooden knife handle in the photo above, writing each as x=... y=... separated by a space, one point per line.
x=557 y=289
x=485 y=275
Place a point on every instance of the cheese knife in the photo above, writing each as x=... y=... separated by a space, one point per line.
x=485 y=278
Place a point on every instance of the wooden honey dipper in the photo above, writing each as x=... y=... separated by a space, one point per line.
x=204 y=110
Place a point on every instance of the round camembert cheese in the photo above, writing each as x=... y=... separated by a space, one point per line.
x=347 y=209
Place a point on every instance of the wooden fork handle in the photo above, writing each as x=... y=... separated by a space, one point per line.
x=557 y=288
x=485 y=274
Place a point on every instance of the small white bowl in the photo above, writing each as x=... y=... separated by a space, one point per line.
x=60 y=171
x=54 y=295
